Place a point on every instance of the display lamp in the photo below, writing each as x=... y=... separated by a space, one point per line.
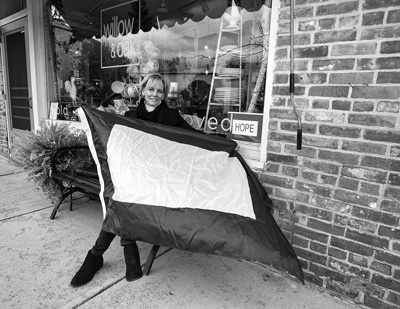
x=232 y=16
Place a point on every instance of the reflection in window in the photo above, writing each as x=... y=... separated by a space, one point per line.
x=185 y=50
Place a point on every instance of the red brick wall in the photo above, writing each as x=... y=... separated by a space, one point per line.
x=338 y=197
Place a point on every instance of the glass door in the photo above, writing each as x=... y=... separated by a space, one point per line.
x=17 y=81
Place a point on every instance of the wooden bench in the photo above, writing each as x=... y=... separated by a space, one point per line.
x=83 y=179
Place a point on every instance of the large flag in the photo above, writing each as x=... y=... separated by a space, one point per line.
x=183 y=189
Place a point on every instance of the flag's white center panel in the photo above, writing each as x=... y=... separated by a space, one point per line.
x=151 y=170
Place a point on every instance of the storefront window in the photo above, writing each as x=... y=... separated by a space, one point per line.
x=213 y=52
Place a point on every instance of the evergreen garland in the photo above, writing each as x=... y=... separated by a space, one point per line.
x=35 y=150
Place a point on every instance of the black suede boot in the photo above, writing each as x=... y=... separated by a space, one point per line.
x=88 y=269
x=132 y=261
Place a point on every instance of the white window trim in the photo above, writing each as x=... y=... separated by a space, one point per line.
x=14 y=17
x=260 y=164
x=37 y=59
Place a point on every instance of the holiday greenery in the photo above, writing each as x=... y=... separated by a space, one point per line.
x=35 y=150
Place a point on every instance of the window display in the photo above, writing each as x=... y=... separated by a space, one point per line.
x=212 y=52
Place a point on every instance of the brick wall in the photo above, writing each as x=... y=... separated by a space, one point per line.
x=3 y=120
x=338 y=197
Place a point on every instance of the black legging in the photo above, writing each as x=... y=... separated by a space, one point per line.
x=104 y=240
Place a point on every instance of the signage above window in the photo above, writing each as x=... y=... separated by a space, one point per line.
x=118 y=24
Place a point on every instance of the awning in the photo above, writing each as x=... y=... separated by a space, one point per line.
x=84 y=16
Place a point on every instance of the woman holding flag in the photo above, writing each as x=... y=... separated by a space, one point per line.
x=152 y=107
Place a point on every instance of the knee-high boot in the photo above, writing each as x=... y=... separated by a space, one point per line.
x=132 y=261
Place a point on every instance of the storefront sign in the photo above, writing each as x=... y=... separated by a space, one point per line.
x=118 y=27
x=246 y=126
x=242 y=126
x=118 y=24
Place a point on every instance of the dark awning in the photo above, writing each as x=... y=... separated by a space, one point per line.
x=83 y=16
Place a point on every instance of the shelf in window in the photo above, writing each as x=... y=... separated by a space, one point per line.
x=233 y=29
x=224 y=104
x=227 y=77
x=230 y=71
x=230 y=48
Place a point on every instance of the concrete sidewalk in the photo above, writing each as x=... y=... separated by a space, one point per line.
x=39 y=256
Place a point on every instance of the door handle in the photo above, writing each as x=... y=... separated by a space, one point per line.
x=29 y=103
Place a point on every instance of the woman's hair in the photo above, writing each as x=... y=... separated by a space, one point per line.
x=155 y=77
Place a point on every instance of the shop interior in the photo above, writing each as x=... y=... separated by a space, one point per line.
x=212 y=55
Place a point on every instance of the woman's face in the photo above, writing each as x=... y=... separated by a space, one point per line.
x=153 y=92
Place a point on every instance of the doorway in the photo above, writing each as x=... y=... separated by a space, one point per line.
x=17 y=80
